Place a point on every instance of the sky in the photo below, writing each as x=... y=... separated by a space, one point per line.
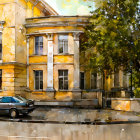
x=70 y=7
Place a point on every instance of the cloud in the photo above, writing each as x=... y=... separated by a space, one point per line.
x=83 y=10
x=70 y=7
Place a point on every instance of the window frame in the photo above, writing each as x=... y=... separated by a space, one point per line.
x=83 y=79
x=1 y=79
x=63 y=44
x=1 y=46
x=39 y=80
x=38 y=45
x=63 y=79
x=91 y=86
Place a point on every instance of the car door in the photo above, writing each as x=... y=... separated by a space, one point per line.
x=5 y=105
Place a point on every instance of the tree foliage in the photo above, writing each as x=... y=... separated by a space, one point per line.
x=113 y=32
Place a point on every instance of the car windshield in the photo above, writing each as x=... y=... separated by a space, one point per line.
x=21 y=98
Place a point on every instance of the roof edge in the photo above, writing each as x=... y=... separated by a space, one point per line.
x=48 y=7
x=56 y=16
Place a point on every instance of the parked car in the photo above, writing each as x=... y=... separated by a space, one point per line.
x=15 y=105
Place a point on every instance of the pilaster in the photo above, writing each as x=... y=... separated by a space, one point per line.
x=76 y=88
x=50 y=89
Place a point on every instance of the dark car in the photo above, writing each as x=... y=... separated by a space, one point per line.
x=15 y=105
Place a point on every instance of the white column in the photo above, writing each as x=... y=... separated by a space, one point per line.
x=27 y=61
x=76 y=61
x=99 y=81
x=50 y=63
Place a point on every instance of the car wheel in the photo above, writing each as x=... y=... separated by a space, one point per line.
x=13 y=113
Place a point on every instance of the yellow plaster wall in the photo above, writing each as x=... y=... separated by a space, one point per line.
x=20 y=35
x=63 y=59
x=33 y=11
x=62 y=95
x=7 y=11
x=38 y=59
x=121 y=105
x=20 y=79
x=13 y=80
x=39 y=95
x=8 y=45
x=6 y=1
x=7 y=80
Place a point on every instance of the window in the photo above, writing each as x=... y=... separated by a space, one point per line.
x=63 y=79
x=82 y=80
x=0 y=79
x=63 y=44
x=38 y=79
x=0 y=45
x=39 y=45
x=93 y=80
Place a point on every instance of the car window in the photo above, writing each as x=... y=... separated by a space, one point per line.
x=21 y=98
x=6 y=100
x=14 y=100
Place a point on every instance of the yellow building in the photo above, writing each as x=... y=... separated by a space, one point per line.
x=39 y=54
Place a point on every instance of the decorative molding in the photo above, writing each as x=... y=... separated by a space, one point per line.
x=76 y=36
x=63 y=63
x=53 y=25
x=2 y=23
x=45 y=32
x=50 y=36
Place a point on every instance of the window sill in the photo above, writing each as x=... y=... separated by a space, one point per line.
x=37 y=55
x=67 y=54
x=64 y=90
x=38 y=90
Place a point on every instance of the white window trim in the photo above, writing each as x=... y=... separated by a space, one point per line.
x=34 y=46
x=63 y=45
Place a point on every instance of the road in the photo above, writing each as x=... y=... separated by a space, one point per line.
x=71 y=124
x=69 y=115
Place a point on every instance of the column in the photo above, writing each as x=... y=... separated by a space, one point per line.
x=99 y=81
x=76 y=89
x=50 y=64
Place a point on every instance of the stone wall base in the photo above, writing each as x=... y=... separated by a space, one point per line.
x=126 y=104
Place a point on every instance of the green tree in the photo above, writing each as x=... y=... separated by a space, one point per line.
x=113 y=32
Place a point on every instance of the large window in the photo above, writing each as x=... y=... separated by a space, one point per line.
x=38 y=79
x=63 y=44
x=0 y=45
x=93 y=80
x=0 y=79
x=38 y=45
x=82 y=80
x=63 y=79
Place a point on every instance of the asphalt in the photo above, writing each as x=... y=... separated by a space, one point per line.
x=76 y=116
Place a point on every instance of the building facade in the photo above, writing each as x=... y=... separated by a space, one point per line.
x=40 y=54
